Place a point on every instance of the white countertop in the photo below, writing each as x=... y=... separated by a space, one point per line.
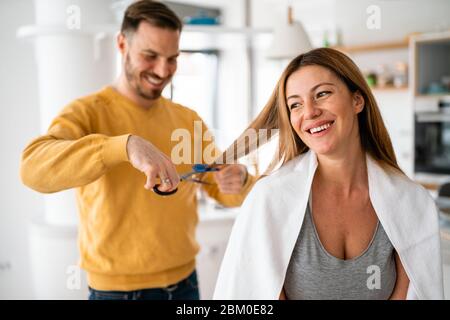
x=209 y=211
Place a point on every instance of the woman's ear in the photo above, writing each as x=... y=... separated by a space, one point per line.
x=358 y=101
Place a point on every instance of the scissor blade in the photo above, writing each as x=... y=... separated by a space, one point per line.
x=187 y=175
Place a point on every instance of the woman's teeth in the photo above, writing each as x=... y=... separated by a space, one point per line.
x=321 y=128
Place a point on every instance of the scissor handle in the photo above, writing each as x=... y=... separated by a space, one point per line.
x=200 y=168
x=197 y=168
x=163 y=193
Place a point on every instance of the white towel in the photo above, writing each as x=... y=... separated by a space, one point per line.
x=266 y=230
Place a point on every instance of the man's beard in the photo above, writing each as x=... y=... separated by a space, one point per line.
x=134 y=81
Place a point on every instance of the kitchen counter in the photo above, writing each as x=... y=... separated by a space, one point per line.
x=431 y=181
x=209 y=211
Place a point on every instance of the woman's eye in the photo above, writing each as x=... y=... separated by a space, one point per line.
x=322 y=94
x=295 y=105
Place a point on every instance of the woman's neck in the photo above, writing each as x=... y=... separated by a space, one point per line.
x=343 y=173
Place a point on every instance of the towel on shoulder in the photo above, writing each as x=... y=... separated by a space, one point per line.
x=266 y=230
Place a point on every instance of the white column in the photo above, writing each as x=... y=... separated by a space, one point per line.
x=74 y=43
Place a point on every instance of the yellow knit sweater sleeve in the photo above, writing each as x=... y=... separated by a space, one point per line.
x=70 y=154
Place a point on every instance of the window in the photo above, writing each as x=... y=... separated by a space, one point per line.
x=195 y=84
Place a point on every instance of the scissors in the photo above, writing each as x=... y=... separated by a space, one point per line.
x=196 y=169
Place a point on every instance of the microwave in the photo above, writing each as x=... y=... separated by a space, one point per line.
x=432 y=142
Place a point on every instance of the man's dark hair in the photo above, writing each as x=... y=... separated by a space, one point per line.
x=153 y=12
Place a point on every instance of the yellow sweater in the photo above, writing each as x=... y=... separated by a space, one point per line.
x=129 y=237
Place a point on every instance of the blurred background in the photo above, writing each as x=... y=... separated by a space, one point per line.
x=56 y=50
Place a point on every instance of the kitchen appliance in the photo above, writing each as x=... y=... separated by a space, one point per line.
x=432 y=142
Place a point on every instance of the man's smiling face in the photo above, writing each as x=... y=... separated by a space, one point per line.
x=150 y=59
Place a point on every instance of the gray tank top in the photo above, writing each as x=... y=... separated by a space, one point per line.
x=313 y=273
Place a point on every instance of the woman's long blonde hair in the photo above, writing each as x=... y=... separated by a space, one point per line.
x=275 y=115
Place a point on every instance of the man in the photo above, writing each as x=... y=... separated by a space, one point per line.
x=134 y=243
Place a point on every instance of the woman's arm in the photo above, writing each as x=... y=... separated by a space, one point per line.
x=402 y=282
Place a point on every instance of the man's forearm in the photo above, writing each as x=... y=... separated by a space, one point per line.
x=50 y=164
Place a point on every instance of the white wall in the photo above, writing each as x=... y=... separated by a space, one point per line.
x=19 y=122
x=398 y=17
x=233 y=85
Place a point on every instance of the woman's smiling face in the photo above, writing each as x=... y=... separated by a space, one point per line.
x=323 y=111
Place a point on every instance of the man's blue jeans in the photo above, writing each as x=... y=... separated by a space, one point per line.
x=186 y=289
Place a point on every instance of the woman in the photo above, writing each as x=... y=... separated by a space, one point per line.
x=338 y=219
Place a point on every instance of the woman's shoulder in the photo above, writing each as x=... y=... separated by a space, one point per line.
x=406 y=183
x=417 y=192
x=397 y=187
x=278 y=178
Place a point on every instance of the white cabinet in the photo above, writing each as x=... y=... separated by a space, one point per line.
x=213 y=232
x=398 y=116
